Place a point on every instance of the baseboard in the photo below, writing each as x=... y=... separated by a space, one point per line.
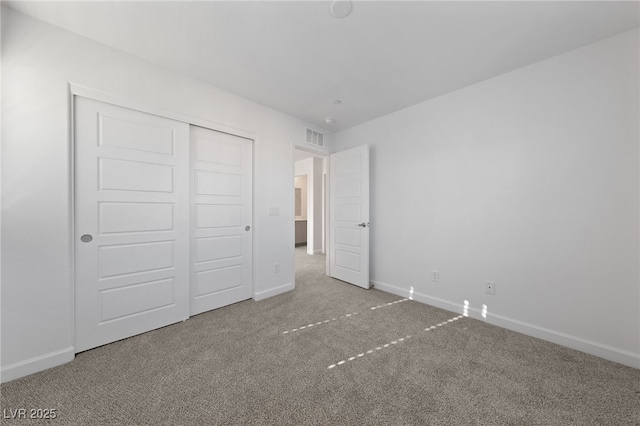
x=312 y=252
x=261 y=295
x=36 y=364
x=593 y=348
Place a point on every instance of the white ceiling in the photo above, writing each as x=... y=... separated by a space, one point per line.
x=296 y=58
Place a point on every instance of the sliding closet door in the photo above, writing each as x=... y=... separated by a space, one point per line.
x=131 y=222
x=222 y=219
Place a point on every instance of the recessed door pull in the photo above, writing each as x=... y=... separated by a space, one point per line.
x=86 y=238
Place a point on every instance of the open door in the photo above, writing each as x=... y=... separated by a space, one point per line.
x=349 y=216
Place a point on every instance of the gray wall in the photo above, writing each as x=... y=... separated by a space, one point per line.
x=38 y=62
x=531 y=180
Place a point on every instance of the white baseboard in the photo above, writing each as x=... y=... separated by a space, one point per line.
x=593 y=348
x=312 y=252
x=261 y=295
x=36 y=364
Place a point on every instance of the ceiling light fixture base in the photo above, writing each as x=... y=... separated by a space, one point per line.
x=340 y=8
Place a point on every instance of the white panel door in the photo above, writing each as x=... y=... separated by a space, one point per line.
x=221 y=243
x=131 y=222
x=349 y=216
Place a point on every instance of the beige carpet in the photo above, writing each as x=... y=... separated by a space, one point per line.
x=237 y=366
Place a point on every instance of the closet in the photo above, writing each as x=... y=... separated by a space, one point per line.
x=163 y=217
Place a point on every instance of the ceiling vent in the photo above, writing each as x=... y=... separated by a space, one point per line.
x=315 y=138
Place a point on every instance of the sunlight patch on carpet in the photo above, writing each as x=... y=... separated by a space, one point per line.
x=390 y=344
x=388 y=304
x=320 y=323
x=369 y=352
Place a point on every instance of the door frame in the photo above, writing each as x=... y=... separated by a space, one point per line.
x=292 y=206
x=76 y=90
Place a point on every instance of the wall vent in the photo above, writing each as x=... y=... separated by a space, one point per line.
x=315 y=138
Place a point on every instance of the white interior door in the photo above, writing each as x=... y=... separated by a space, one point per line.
x=221 y=242
x=349 y=216
x=131 y=222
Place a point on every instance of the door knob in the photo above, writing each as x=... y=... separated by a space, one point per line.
x=246 y=228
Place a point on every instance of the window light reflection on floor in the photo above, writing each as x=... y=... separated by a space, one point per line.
x=392 y=343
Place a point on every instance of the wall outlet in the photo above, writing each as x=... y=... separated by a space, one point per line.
x=274 y=211
x=435 y=276
x=490 y=287
x=276 y=267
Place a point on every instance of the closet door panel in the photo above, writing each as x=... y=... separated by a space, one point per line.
x=131 y=222
x=222 y=231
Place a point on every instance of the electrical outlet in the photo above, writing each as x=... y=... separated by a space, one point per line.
x=435 y=276
x=276 y=267
x=490 y=287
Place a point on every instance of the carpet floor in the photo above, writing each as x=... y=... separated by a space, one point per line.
x=320 y=355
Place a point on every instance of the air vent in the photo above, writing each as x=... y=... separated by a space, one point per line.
x=315 y=138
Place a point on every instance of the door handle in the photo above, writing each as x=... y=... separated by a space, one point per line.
x=364 y=224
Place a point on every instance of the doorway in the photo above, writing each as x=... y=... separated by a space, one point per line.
x=310 y=179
